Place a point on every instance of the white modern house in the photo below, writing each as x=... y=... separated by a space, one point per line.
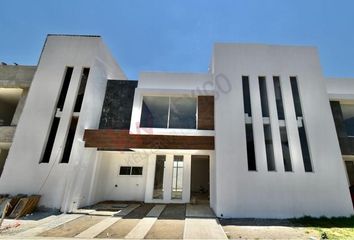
x=253 y=137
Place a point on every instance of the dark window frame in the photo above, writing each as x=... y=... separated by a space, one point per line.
x=132 y=170
x=145 y=122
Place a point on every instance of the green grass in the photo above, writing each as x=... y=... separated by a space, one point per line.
x=332 y=228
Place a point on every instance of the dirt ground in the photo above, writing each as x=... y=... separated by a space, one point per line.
x=269 y=232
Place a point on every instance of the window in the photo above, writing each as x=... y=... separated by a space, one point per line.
x=285 y=149
x=177 y=178
x=266 y=127
x=246 y=95
x=251 y=158
x=55 y=123
x=65 y=87
x=81 y=92
x=69 y=140
x=128 y=170
x=264 y=96
x=183 y=112
x=124 y=170
x=137 y=171
x=278 y=98
x=301 y=127
x=348 y=118
x=159 y=174
x=282 y=126
x=169 y=112
x=269 y=147
x=154 y=112
x=50 y=140
x=350 y=171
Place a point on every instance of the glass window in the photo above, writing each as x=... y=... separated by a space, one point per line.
x=69 y=140
x=169 y=112
x=159 y=174
x=154 y=112
x=137 y=170
x=65 y=87
x=285 y=149
x=302 y=133
x=246 y=95
x=296 y=96
x=264 y=96
x=124 y=170
x=348 y=118
x=82 y=88
x=251 y=157
x=278 y=98
x=183 y=112
x=269 y=147
x=350 y=171
x=177 y=178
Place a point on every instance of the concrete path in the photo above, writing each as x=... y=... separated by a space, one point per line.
x=61 y=219
x=127 y=210
x=98 y=228
x=145 y=224
x=137 y=221
x=199 y=211
x=203 y=228
x=73 y=228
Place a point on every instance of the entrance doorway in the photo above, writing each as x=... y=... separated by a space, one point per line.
x=200 y=179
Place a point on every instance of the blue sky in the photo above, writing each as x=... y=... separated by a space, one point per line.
x=178 y=35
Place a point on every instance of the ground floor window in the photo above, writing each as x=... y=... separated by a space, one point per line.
x=350 y=171
x=177 y=179
x=158 y=179
x=127 y=170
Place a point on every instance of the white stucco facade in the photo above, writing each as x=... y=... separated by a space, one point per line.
x=93 y=174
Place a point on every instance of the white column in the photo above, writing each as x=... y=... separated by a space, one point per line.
x=150 y=176
x=274 y=120
x=291 y=125
x=167 y=178
x=186 y=194
x=257 y=123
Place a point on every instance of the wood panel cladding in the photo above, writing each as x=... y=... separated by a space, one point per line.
x=112 y=139
x=206 y=112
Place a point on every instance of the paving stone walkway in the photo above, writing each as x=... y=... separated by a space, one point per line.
x=136 y=221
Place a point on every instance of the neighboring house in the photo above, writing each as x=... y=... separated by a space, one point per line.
x=15 y=81
x=253 y=137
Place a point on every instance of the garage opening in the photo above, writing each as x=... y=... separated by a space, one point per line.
x=200 y=179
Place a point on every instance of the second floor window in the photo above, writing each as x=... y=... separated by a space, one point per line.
x=169 y=112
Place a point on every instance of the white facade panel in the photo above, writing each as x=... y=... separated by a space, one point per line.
x=242 y=193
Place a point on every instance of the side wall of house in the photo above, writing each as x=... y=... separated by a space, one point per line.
x=240 y=192
x=23 y=172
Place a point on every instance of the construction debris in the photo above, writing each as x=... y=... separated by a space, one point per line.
x=19 y=205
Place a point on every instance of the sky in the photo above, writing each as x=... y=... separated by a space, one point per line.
x=178 y=35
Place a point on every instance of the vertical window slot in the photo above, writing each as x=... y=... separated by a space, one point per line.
x=251 y=158
x=246 y=95
x=266 y=127
x=301 y=125
x=69 y=140
x=50 y=141
x=282 y=125
x=264 y=96
x=81 y=92
x=65 y=87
